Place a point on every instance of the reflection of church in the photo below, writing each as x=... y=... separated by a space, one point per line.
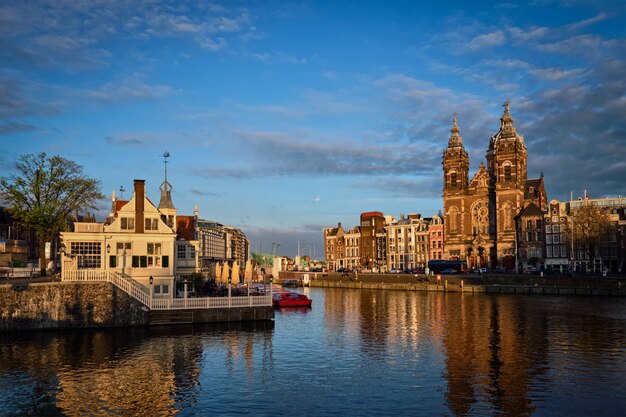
x=480 y=213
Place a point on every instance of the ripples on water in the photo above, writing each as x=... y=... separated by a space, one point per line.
x=354 y=353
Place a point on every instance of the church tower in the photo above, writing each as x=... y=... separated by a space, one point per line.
x=455 y=163
x=506 y=164
x=166 y=205
x=455 y=188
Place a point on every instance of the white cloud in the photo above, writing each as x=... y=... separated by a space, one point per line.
x=487 y=40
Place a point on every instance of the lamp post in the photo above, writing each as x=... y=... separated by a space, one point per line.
x=271 y=281
x=151 y=280
x=230 y=279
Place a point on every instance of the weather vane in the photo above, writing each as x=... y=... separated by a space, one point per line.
x=122 y=190
x=166 y=155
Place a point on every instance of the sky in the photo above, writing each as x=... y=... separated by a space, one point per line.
x=282 y=118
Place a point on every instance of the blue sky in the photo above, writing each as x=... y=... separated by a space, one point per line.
x=285 y=117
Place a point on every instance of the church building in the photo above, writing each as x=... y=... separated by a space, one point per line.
x=480 y=213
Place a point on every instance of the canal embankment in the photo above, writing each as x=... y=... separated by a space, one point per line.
x=82 y=305
x=485 y=283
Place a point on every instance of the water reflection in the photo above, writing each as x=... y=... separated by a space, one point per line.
x=353 y=353
x=136 y=371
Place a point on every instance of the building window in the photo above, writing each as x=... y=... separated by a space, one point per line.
x=182 y=252
x=548 y=229
x=152 y=224
x=549 y=251
x=453 y=179
x=538 y=222
x=507 y=172
x=88 y=254
x=555 y=228
x=154 y=248
x=529 y=224
x=121 y=246
x=555 y=239
x=127 y=223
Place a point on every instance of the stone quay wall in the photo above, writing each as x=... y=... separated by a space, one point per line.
x=68 y=305
x=488 y=283
x=79 y=305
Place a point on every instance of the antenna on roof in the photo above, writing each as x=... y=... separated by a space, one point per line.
x=122 y=190
x=166 y=155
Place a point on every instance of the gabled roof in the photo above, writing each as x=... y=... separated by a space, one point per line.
x=185 y=227
x=530 y=210
x=119 y=204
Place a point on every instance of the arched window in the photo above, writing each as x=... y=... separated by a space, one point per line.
x=454 y=212
x=507 y=171
x=480 y=217
x=453 y=179
x=506 y=216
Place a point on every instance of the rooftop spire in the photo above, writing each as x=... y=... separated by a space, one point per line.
x=455 y=139
x=506 y=121
x=166 y=187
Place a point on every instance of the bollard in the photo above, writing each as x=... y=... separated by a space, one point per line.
x=461 y=285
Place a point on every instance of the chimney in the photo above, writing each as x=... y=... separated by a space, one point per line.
x=140 y=193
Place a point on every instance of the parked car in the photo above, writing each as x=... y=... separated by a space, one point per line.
x=448 y=271
x=395 y=271
x=479 y=270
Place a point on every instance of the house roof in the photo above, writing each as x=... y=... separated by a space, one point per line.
x=119 y=204
x=372 y=214
x=185 y=227
x=531 y=210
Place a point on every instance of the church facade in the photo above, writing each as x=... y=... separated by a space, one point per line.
x=480 y=212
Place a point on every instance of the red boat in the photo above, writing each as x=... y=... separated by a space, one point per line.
x=291 y=299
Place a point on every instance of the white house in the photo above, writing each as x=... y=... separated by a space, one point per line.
x=138 y=240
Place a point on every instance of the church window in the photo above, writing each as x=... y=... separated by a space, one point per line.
x=480 y=217
x=507 y=172
x=453 y=180
x=453 y=219
x=507 y=217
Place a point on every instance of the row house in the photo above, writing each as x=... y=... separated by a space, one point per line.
x=407 y=242
x=334 y=247
x=352 y=240
x=372 y=223
x=435 y=239
x=381 y=243
x=610 y=254
x=557 y=248
x=545 y=243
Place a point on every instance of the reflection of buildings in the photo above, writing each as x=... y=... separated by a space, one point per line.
x=137 y=371
x=494 y=348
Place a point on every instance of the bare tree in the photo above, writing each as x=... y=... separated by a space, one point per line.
x=590 y=224
x=44 y=192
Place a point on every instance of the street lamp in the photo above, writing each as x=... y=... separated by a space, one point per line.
x=230 y=279
x=108 y=248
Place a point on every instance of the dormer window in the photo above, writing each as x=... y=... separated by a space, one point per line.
x=127 y=223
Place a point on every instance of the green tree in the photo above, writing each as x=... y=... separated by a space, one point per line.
x=44 y=192
x=590 y=224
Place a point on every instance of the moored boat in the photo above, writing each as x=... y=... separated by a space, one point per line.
x=291 y=299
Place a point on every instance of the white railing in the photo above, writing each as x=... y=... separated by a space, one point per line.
x=137 y=291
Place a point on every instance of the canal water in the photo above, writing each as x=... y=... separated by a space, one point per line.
x=355 y=352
